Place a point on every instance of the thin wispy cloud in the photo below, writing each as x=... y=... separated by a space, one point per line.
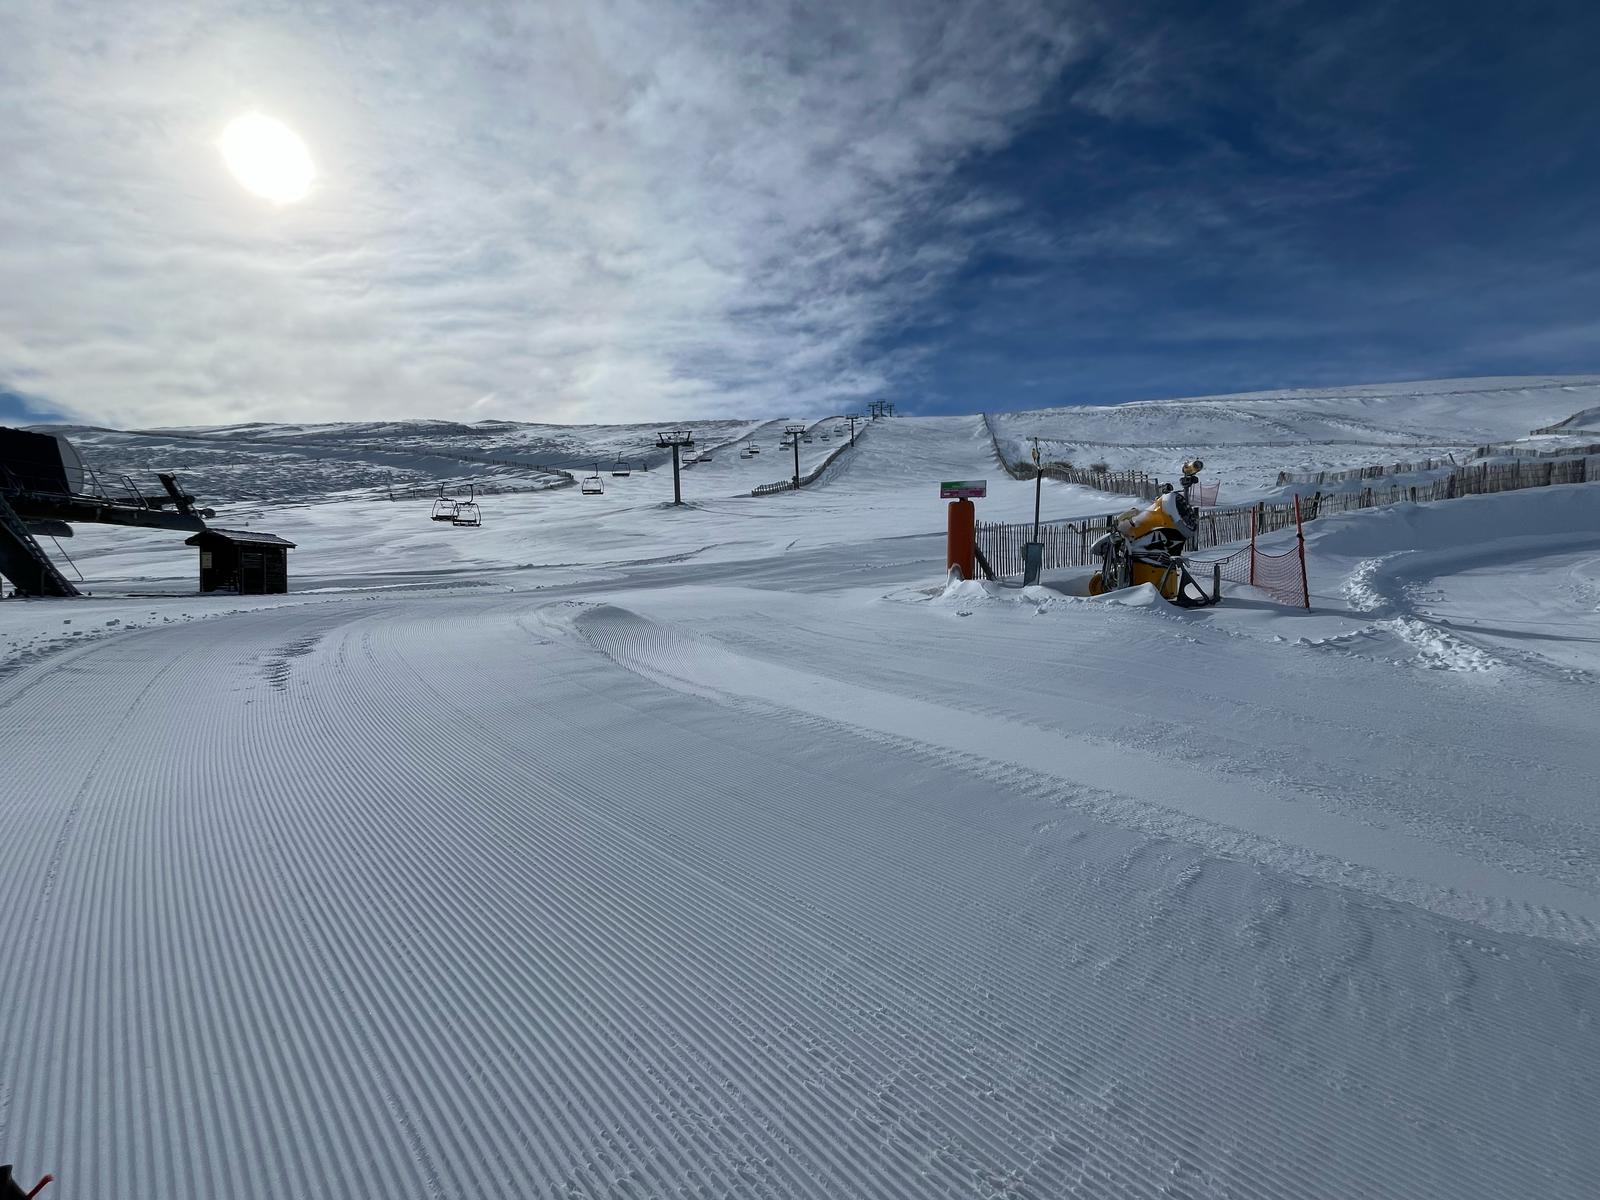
x=1286 y=192
x=571 y=210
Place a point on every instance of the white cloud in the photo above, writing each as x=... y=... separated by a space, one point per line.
x=592 y=208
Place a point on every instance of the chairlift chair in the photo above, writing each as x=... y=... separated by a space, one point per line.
x=592 y=485
x=806 y=437
x=754 y=449
x=620 y=469
x=444 y=508
x=467 y=513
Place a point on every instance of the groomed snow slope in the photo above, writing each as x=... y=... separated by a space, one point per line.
x=1249 y=438
x=727 y=853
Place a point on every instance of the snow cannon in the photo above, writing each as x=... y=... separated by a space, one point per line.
x=10 y=1189
x=1146 y=545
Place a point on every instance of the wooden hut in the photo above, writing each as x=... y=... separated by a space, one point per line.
x=237 y=560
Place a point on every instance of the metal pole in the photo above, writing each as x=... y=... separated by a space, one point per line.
x=1300 y=537
x=677 y=489
x=796 y=432
x=1253 y=546
x=1038 y=486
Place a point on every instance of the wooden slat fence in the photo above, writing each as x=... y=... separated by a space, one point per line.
x=810 y=477
x=1372 y=472
x=1066 y=543
x=1122 y=483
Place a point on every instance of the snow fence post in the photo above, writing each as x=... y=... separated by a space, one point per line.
x=1300 y=535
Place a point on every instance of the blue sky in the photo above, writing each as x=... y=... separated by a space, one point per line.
x=1310 y=194
x=632 y=209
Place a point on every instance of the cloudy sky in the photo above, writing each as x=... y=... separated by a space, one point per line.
x=614 y=209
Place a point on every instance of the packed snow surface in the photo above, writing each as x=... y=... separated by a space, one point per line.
x=1249 y=438
x=613 y=849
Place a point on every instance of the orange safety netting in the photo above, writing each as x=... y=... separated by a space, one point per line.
x=1281 y=576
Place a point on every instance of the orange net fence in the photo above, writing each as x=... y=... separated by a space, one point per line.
x=1281 y=576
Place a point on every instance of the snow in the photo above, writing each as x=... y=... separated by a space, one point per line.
x=617 y=849
x=1247 y=439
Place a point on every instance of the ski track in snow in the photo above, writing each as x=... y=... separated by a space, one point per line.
x=1254 y=800
x=740 y=862
x=526 y=929
x=1411 y=624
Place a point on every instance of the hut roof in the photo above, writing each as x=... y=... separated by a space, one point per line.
x=239 y=537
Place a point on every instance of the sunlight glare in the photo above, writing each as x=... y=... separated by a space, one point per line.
x=267 y=158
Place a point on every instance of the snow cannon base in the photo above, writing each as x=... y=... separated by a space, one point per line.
x=1166 y=573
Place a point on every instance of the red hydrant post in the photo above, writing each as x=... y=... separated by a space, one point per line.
x=962 y=544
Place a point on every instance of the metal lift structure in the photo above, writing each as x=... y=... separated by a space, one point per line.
x=45 y=488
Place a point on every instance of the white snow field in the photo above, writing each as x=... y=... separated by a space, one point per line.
x=1249 y=438
x=618 y=850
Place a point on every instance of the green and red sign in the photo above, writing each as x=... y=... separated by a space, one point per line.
x=963 y=489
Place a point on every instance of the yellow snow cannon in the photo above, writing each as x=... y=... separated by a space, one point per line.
x=1145 y=545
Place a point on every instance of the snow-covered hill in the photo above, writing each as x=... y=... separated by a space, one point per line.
x=1246 y=440
x=614 y=848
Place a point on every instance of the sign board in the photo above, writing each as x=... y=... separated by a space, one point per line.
x=963 y=489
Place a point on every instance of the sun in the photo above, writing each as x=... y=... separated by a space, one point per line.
x=267 y=158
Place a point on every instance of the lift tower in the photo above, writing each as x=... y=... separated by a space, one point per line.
x=795 y=432
x=677 y=439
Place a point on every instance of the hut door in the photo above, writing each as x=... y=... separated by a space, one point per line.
x=252 y=574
